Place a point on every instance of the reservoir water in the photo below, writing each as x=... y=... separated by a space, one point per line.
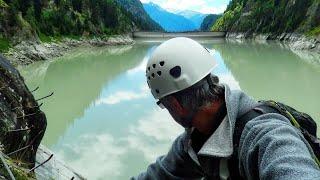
x=104 y=123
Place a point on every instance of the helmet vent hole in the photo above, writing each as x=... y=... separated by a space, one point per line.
x=157 y=91
x=149 y=77
x=148 y=68
x=152 y=75
x=175 y=71
x=161 y=63
x=159 y=73
x=154 y=65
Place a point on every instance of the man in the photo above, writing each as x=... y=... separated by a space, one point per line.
x=179 y=75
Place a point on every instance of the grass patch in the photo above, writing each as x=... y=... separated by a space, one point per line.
x=44 y=38
x=19 y=172
x=75 y=37
x=3 y=4
x=314 y=32
x=47 y=39
x=4 y=44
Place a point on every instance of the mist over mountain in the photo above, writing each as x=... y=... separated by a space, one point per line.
x=196 y=17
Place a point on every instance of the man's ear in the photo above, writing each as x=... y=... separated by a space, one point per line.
x=177 y=106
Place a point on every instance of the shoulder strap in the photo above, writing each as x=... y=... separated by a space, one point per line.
x=241 y=122
x=248 y=116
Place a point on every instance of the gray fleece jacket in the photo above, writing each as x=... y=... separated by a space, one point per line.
x=270 y=148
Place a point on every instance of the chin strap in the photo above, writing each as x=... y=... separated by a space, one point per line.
x=223 y=169
x=187 y=121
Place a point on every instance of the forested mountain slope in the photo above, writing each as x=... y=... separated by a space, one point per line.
x=29 y=19
x=139 y=15
x=209 y=21
x=271 y=16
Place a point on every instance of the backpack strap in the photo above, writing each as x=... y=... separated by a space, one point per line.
x=233 y=163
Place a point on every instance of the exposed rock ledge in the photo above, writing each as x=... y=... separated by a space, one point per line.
x=30 y=51
x=299 y=44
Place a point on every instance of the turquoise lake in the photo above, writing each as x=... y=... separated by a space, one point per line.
x=103 y=121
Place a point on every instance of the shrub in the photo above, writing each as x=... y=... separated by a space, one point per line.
x=4 y=44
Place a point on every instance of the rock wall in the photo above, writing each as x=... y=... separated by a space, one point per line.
x=22 y=123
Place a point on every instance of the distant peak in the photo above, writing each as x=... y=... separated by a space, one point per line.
x=189 y=12
x=153 y=4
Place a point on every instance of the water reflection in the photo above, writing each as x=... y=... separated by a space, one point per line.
x=104 y=122
x=118 y=156
x=270 y=71
x=76 y=80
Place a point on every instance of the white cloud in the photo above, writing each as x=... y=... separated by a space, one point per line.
x=183 y=4
x=203 y=6
x=120 y=96
x=140 y=68
x=213 y=10
x=99 y=156
x=154 y=134
x=158 y=125
x=154 y=1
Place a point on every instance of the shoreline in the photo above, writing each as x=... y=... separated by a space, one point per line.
x=28 y=52
x=301 y=45
x=295 y=41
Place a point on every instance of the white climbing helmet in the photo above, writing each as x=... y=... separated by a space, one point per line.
x=176 y=65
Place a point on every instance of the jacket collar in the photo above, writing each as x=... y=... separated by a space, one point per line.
x=220 y=143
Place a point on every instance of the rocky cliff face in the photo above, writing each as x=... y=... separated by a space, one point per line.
x=22 y=123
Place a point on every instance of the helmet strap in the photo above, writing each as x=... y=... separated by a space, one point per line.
x=210 y=82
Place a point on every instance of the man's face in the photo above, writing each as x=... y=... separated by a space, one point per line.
x=180 y=114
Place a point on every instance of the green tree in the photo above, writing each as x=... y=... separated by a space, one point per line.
x=57 y=2
x=109 y=13
x=37 y=9
x=23 y=6
x=77 y=5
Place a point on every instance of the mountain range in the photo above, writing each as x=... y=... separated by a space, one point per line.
x=176 y=21
x=194 y=16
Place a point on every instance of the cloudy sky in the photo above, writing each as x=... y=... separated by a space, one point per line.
x=204 y=6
